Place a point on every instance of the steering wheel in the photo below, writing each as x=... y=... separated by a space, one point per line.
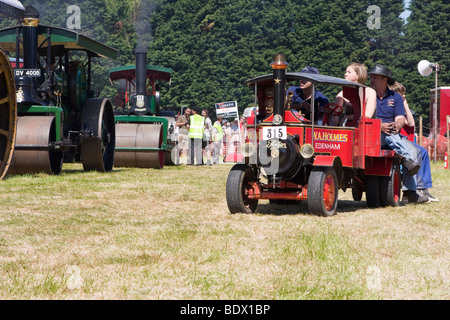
x=331 y=109
x=334 y=108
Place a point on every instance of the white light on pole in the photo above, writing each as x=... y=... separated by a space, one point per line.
x=425 y=68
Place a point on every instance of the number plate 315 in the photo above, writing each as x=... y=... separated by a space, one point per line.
x=274 y=133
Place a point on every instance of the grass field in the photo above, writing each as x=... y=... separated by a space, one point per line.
x=167 y=234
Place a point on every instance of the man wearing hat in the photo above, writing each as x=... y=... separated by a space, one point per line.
x=301 y=98
x=391 y=111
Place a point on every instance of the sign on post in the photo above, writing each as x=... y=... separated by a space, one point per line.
x=227 y=109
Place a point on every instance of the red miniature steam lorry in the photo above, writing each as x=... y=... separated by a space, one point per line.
x=288 y=159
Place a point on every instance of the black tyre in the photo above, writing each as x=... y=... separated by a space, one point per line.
x=372 y=184
x=390 y=187
x=323 y=191
x=237 y=189
x=357 y=191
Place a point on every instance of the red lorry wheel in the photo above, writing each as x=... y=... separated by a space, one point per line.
x=323 y=191
x=237 y=189
x=357 y=191
x=390 y=187
x=372 y=184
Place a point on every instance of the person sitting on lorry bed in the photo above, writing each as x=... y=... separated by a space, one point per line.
x=423 y=176
x=301 y=98
x=357 y=72
x=391 y=111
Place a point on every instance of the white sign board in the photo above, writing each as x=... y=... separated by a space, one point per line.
x=227 y=109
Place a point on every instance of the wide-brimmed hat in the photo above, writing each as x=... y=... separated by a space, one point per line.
x=384 y=71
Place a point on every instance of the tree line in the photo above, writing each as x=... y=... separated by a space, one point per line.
x=213 y=46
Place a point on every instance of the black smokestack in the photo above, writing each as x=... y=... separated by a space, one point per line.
x=279 y=77
x=30 y=37
x=141 y=72
x=139 y=101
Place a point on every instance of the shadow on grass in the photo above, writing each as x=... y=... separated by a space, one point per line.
x=64 y=172
x=302 y=208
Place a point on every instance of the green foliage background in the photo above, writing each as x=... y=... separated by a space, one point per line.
x=213 y=46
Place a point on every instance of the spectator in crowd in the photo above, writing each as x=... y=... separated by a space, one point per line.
x=207 y=136
x=227 y=136
x=217 y=137
x=196 y=127
x=183 y=134
x=235 y=136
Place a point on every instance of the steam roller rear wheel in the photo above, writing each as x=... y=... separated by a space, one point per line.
x=98 y=135
x=139 y=145
x=32 y=153
x=8 y=114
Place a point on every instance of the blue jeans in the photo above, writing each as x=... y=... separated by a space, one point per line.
x=424 y=173
x=402 y=146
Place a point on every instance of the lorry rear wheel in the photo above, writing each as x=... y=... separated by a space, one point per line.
x=390 y=187
x=357 y=191
x=372 y=184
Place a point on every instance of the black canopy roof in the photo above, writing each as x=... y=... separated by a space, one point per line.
x=314 y=78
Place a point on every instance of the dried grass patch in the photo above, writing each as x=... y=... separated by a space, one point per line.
x=167 y=234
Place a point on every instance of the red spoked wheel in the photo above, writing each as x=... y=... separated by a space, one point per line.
x=323 y=191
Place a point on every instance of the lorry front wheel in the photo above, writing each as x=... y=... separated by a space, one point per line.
x=237 y=189
x=323 y=191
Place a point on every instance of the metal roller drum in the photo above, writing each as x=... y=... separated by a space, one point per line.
x=139 y=145
x=8 y=114
x=98 y=142
x=32 y=153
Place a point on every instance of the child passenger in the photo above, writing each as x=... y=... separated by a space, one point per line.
x=357 y=72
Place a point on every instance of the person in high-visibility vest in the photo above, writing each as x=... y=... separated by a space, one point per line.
x=196 y=127
x=217 y=137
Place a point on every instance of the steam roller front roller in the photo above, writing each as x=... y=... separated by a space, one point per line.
x=98 y=135
x=32 y=152
x=8 y=114
x=139 y=145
